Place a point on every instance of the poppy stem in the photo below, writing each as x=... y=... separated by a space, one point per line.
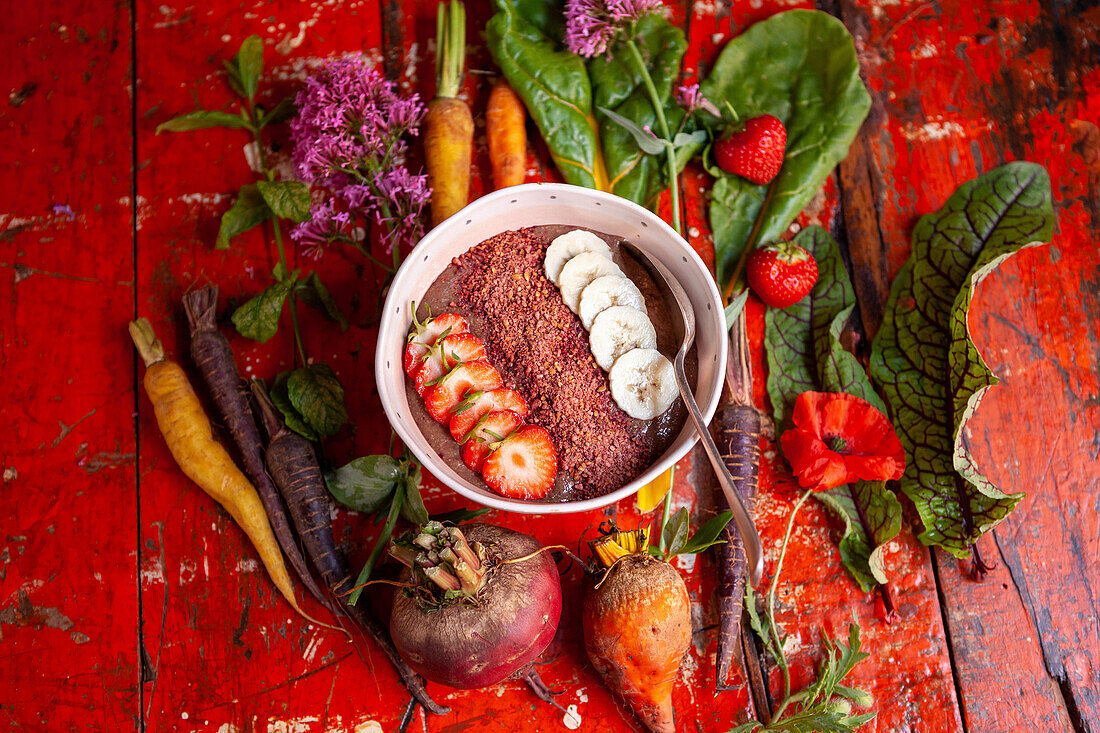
x=781 y=657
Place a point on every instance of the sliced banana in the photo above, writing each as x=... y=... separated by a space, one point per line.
x=568 y=246
x=581 y=270
x=616 y=331
x=605 y=292
x=643 y=383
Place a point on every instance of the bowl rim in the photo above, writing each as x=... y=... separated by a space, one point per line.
x=708 y=405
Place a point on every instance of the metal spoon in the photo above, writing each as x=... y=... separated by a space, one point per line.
x=686 y=330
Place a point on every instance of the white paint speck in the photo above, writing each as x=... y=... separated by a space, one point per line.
x=572 y=719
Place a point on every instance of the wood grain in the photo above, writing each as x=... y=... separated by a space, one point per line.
x=157 y=614
x=68 y=570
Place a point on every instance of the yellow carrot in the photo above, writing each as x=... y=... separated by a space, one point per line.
x=186 y=430
x=505 y=116
x=448 y=124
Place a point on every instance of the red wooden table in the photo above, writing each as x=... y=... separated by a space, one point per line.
x=129 y=601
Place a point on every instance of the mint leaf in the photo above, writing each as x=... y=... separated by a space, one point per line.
x=281 y=112
x=287 y=199
x=311 y=290
x=924 y=360
x=366 y=483
x=813 y=86
x=250 y=64
x=291 y=416
x=202 y=119
x=258 y=318
x=646 y=141
x=247 y=211
x=318 y=397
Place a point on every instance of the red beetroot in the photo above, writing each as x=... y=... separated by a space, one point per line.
x=502 y=617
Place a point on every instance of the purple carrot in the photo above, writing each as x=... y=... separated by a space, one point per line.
x=294 y=468
x=737 y=434
x=213 y=356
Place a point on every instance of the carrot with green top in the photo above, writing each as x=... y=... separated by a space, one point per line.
x=448 y=124
x=186 y=430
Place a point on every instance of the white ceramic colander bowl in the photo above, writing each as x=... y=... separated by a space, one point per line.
x=534 y=204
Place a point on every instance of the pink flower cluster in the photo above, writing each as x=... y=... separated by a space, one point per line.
x=349 y=138
x=591 y=26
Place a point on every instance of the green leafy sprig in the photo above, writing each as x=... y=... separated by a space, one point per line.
x=826 y=705
x=310 y=397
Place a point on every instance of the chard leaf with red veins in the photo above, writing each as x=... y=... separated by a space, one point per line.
x=927 y=364
x=805 y=354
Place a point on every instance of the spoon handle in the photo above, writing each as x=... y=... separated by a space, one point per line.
x=754 y=554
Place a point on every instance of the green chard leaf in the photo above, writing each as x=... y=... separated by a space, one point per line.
x=864 y=538
x=318 y=397
x=366 y=483
x=248 y=210
x=923 y=357
x=813 y=86
x=203 y=119
x=553 y=84
x=286 y=199
x=633 y=171
x=805 y=353
x=258 y=318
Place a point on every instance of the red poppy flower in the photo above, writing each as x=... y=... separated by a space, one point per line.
x=839 y=438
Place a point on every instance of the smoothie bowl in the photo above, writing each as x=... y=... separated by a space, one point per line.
x=546 y=346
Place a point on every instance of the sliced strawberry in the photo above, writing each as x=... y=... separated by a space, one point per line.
x=460 y=347
x=444 y=355
x=524 y=466
x=492 y=428
x=478 y=404
x=425 y=335
x=472 y=376
x=430 y=370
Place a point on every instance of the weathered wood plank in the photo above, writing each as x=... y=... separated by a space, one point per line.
x=1006 y=90
x=68 y=507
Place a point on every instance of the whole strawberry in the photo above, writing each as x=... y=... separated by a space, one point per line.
x=755 y=152
x=781 y=273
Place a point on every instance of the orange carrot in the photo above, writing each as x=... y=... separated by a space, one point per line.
x=505 y=116
x=187 y=431
x=637 y=626
x=448 y=124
